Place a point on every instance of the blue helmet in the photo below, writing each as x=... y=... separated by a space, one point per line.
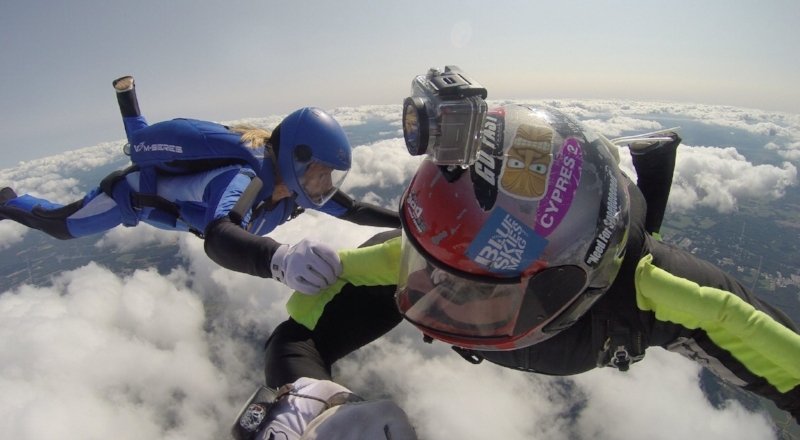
x=314 y=156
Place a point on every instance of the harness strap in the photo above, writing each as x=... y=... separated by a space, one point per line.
x=335 y=399
x=618 y=344
x=141 y=200
x=165 y=211
x=245 y=201
x=107 y=184
x=169 y=212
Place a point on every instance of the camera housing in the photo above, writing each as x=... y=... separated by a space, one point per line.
x=444 y=116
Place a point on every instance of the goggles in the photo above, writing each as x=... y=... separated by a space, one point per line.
x=318 y=180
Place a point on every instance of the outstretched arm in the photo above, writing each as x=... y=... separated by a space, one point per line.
x=706 y=315
x=346 y=208
x=309 y=342
x=230 y=246
x=308 y=266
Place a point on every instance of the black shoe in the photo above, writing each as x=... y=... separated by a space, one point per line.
x=126 y=97
x=644 y=143
x=7 y=194
x=123 y=84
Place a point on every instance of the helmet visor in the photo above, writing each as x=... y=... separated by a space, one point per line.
x=318 y=180
x=461 y=309
x=442 y=302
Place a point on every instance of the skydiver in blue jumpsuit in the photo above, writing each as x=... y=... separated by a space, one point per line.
x=205 y=199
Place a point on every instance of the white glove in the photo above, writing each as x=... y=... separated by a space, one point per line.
x=308 y=267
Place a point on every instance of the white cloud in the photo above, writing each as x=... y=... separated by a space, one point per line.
x=382 y=164
x=785 y=126
x=52 y=187
x=122 y=239
x=793 y=155
x=48 y=177
x=349 y=116
x=11 y=233
x=661 y=389
x=145 y=356
x=269 y=122
x=719 y=177
x=447 y=397
x=99 y=356
x=617 y=125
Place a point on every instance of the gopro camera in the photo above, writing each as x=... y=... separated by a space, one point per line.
x=444 y=116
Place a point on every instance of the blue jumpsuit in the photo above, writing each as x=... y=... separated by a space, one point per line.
x=204 y=200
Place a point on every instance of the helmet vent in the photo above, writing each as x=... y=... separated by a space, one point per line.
x=547 y=293
x=302 y=153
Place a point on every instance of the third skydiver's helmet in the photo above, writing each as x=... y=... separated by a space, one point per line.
x=515 y=248
x=314 y=155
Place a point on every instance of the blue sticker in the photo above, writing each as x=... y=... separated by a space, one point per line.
x=505 y=245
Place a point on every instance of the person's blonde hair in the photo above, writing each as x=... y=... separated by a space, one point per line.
x=253 y=137
x=257 y=137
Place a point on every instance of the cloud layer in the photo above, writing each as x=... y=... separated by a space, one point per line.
x=100 y=355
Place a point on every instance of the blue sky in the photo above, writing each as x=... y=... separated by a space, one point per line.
x=225 y=61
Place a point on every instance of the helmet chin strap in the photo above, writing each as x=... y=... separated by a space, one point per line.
x=271 y=148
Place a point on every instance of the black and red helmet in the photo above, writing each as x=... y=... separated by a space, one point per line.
x=516 y=247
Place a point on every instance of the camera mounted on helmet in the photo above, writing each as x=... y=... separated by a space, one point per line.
x=444 y=117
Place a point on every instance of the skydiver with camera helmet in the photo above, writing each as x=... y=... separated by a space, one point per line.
x=524 y=244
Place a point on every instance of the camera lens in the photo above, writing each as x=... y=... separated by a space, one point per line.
x=415 y=125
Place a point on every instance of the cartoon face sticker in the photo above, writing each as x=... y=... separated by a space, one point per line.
x=527 y=163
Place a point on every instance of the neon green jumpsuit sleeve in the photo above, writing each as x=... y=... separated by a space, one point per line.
x=376 y=265
x=764 y=346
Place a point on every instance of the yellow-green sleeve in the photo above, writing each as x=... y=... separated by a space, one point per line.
x=764 y=346
x=376 y=265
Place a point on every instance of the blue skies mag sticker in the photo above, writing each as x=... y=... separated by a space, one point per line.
x=504 y=245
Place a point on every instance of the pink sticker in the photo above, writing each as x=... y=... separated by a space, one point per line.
x=565 y=176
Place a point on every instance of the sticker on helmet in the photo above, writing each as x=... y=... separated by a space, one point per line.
x=505 y=245
x=252 y=417
x=490 y=158
x=526 y=165
x=414 y=212
x=564 y=180
x=608 y=221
